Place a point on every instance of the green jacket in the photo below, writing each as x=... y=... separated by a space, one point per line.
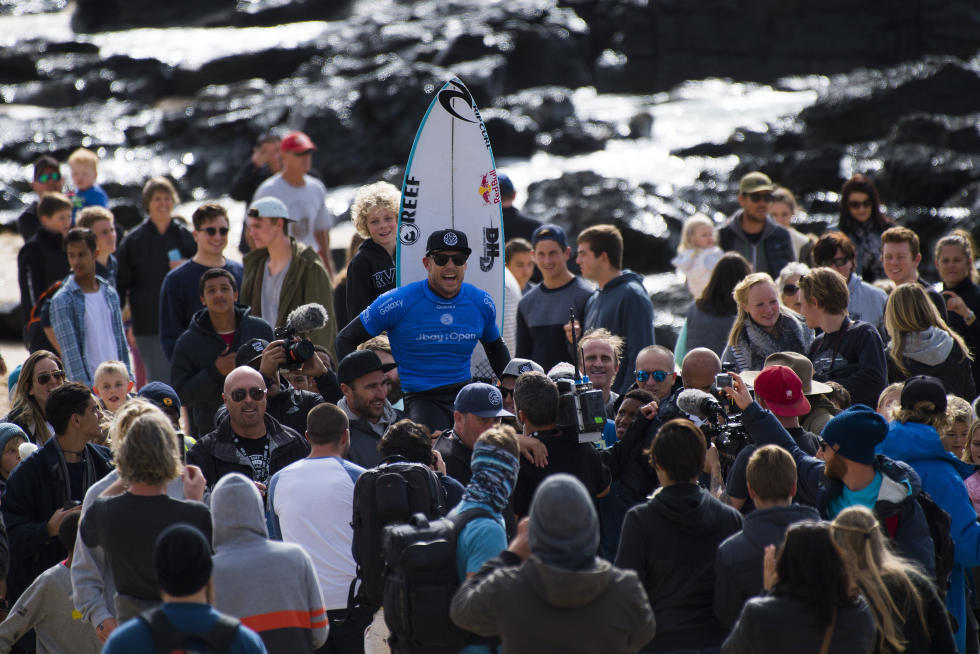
x=306 y=281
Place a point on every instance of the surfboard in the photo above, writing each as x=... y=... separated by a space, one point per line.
x=451 y=182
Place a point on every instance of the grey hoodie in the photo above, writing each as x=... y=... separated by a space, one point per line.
x=270 y=586
x=930 y=347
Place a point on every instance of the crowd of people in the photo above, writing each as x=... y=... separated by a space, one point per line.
x=273 y=456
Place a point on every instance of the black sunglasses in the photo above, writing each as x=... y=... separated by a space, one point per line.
x=857 y=204
x=256 y=393
x=44 y=178
x=760 y=196
x=211 y=231
x=45 y=377
x=506 y=392
x=441 y=259
x=790 y=289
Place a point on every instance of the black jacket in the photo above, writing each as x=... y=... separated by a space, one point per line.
x=40 y=263
x=370 y=273
x=216 y=455
x=289 y=407
x=455 y=455
x=898 y=495
x=193 y=374
x=670 y=541
x=143 y=263
x=956 y=372
x=626 y=461
x=517 y=225
x=970 y=293
x=853 y=356
x=738 y=564
x=789 y=624
x=35 y=489
x=27 y=222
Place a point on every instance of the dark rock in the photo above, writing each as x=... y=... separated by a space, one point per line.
x=548 y=106
x=640 y=126
x=272 y=64
x=576 y=137
x=511 y=135
x=276 y=12
x=551 y=50
x=917 y=174
x=103 y=15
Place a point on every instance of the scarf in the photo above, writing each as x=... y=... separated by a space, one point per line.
x=755 y=343
x=867 y=248
x=494 y=473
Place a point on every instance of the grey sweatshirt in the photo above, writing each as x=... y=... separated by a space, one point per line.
x=46 y=607
x=270 y=586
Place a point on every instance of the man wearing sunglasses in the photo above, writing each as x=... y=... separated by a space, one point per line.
x=867 y=303
x=249 y=440
x=180 y=297
x=752 y=233
x=47 y=179
x=433 y=325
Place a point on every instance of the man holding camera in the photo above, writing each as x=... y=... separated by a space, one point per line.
x=281 y=274
x=433 y=326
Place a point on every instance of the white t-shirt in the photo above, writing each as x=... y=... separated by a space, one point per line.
x=306 y=204
x=312 y=501
x=100 y=342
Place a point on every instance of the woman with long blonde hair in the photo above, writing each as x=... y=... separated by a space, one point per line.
x=923 y=344
x=763 y=326
x=41 y=373
x=908 y=613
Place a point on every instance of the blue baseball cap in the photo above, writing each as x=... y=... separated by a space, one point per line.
x=550 y=233
x=481 y=400
x=504 y=184
x=161 y=394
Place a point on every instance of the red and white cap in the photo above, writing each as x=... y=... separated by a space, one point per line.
x=782 y=390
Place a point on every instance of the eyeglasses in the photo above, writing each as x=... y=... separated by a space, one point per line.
x=44 y=178
x=790 y=289
x=658 y=375
x=46 y=377
x=839 y=261
x=760 y=196
x=212 y=231
x=256 y=393
x=506 y=392
x=857 y=204
x=441 y=259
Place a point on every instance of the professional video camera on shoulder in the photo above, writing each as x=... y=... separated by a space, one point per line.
x=301 y=320
x=722 y=427
x=581 y=410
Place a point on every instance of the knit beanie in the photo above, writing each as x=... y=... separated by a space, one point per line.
x=857 y=431
x=564 y=527
x=182 y=560
x=9 y=430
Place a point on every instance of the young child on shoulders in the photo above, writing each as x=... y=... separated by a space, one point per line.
x=84 y=166
x=11 y=438
x=697 y=253
x=112 y=385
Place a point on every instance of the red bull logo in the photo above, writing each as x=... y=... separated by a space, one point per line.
x=489 y=189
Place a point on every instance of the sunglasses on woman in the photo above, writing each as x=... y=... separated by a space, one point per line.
x=658 y=375
x=441 y=259
x=256 y=393
x=857 y=204
x=45 y=377
x=790 y=289
x=212 y=231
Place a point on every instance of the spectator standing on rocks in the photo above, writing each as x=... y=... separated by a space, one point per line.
x=47 y=179
x=752 y=233
x=621 y=304
x=180 y=294
x=305 y=196
x=264 y=162
x=149 y=251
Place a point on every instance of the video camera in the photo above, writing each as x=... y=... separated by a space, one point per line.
x=302 y=319
x=722 y=423
x=581 y=410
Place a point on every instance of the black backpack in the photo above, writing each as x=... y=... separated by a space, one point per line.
x=167 y=639
x=940 y=528
x=419 y=584
x=34 y=337
x=390 y=493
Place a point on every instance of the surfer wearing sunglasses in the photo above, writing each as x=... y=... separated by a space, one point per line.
x=433 y=325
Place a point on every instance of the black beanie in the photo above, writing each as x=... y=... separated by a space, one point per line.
x=182 y=560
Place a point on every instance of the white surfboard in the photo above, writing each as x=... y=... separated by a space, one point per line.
x=451 y=182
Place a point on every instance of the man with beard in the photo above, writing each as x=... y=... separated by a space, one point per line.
x=846 y=471
x=752 y=233
x=365 y=402
x=381 y=346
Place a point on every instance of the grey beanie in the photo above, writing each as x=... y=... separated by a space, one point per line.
x=564 y=526
x=9 y=430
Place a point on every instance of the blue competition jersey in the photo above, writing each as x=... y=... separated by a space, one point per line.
x=432 y=337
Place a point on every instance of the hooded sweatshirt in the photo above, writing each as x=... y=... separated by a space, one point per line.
x=933 y=352
x=671 y=541
x=942 y=476
x=623 y=307
x=769 y=254
x=288 y=611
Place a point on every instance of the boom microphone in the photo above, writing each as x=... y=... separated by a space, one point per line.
x=698 y=403
x=307 y=317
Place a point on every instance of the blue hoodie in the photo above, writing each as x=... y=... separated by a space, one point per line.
x=942 y=477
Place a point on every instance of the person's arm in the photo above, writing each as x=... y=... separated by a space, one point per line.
x=617 y=456
x=497 y=355
x=272 y=514
x=350 y=337
x=728 y=598
x=89 y=571
x=27 y=611
x=64 y=330
x=25 y=279
x=360 y=291
x=171 y=314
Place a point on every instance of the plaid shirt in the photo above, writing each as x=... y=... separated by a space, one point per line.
x=68 y=321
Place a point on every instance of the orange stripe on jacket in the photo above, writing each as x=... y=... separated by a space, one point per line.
x=286 y=620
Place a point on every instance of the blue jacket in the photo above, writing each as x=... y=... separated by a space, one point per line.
x=623 y=307
x=942 y=477
x=899 y=488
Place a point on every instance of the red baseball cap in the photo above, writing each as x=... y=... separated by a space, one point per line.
x=782 y=390
x=296 y=142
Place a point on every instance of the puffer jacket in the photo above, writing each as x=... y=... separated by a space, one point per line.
x=536 y=607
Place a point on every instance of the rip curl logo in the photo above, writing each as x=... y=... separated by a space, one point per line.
x=450 y=239
x=524 y=367
x=494 y=397
x=446 y=319
x=447 y=95
x=408 y=233
x=489 y=188
x=491 y=248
